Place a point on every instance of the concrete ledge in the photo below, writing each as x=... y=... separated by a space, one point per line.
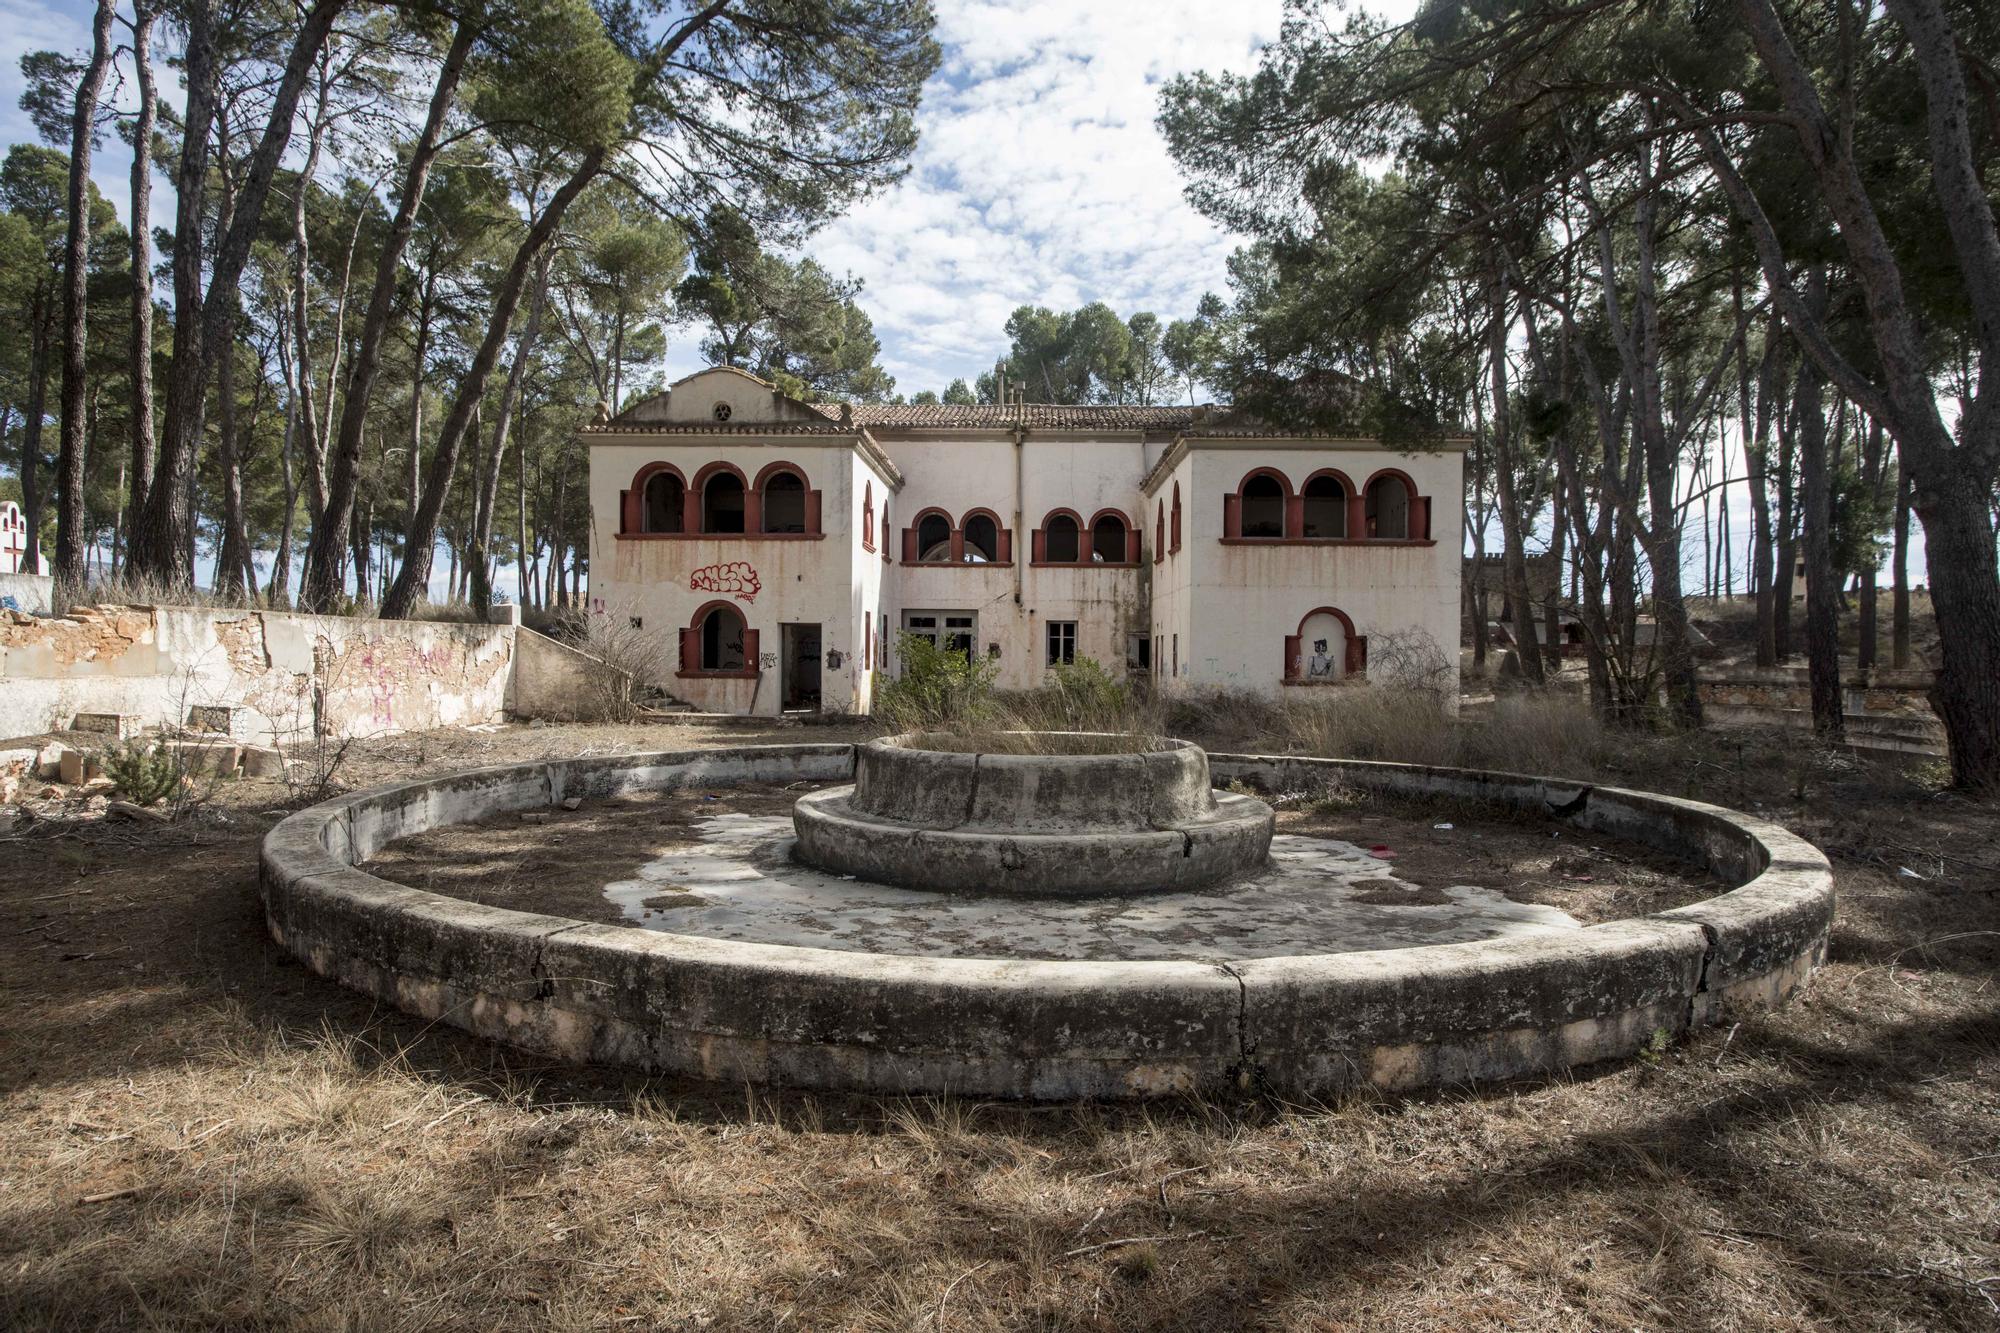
x=1233 y=836
x=1402 y=1019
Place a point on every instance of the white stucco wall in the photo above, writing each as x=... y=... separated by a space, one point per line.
x=1246 y=598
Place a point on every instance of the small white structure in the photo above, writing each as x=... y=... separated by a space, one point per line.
x=17 y=554
x=784 y=545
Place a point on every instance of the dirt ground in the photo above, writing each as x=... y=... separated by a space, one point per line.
x=195 y=1132
x=559 y=862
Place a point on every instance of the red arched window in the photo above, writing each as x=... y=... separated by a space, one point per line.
x=784 y=503
x=1392 y=509
x=1259 y=507
x=657 y=502
x=929 y=541
x=984 y=540
x=1159 y=531
x=718 y=641
x=1325 y=649
x=724 y=498
x=1323 y=505
x=1176 y=520
x=868 y=516
x=1059 y=541
x=1114 y=538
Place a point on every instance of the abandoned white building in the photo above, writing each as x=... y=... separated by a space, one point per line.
x=785 y=545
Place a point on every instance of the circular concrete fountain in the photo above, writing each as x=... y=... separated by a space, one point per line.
x=1277 y=977
x=1079 y=815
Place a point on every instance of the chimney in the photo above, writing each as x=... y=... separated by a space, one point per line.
x=1000 y=385
x=847 y=416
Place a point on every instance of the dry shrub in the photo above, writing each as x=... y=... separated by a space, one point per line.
x=637 y=666
x=1374 y=722
x=1524 y=733
x=1538 y=733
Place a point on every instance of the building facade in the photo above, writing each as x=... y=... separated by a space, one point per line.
x=784 y=546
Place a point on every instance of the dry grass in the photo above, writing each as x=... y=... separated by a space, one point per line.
x=197 y=1133
x=989 y=740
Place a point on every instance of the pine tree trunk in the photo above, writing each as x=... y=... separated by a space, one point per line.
x=422 y=535
x=318 y=585
x=72 y=541
x=1822 y=594
x=1899 y=612
x=31 y=432
x=1512 y=523
x=479 y=558
x=140 y=368
x=163 y=545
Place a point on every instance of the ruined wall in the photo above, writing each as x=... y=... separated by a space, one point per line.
x=26 y=592
x=554 y=680
x=288 y=675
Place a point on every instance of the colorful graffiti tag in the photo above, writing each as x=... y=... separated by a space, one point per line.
x=735 y=579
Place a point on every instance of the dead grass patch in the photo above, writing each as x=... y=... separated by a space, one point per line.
x=197 y=1133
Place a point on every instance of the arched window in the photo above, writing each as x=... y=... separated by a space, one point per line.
x=722 y=502
x=1176 y=520
x=1107 y=540
x=1159 y=531
x=868 y=515
x=934 y=539
x=665 y=506
x=1388 y=508
x=886 y=529
x=722 y=640
x=1263 y=501
x=718 y=641
x=1325 y=649
x=982 y=539
x=784 y=503
x=1325 y=507
x=1062 y=541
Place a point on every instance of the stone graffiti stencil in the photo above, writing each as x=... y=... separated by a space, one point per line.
x=735 y=579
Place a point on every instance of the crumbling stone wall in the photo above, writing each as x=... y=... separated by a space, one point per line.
x=285 y=676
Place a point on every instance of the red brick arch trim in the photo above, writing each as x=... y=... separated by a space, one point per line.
x=1176 y=540
x=1356 y=658
x=771 y=470
x=1284 y=482
x=709 y=472
x=691 y=643
x=632 y=503
x=1346 y=483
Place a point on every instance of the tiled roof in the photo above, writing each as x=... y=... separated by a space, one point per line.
x=994 y=416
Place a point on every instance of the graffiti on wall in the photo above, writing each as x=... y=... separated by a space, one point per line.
x=734 y=579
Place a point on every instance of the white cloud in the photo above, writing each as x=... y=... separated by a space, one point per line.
x=1039 y=179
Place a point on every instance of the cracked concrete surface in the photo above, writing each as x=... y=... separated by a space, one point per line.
x=1314 y=896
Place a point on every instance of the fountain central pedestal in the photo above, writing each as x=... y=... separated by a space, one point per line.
x=1069 y=821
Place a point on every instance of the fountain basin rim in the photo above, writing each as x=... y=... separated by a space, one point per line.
x=1304 y=1026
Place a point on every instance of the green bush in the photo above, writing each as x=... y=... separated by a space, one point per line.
x=939 y=688
x=141 y=773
